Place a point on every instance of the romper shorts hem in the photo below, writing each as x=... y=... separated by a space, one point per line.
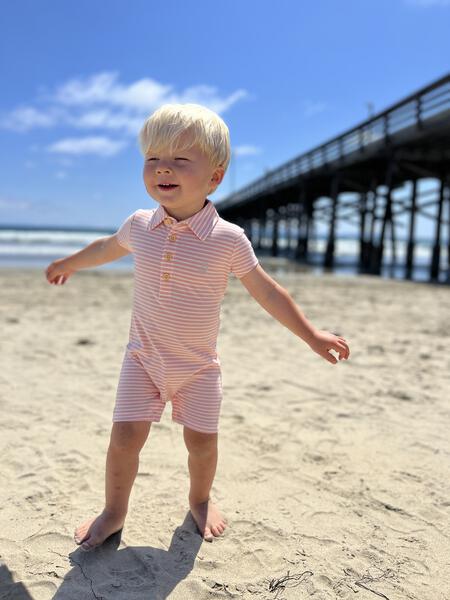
x=194 y=427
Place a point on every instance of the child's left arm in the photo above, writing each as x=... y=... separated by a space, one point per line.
x=278 y=303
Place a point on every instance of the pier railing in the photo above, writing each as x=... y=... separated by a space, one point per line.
x=415 y=113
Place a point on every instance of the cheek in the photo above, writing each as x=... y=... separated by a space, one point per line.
x=148 y=182
x=192 y=175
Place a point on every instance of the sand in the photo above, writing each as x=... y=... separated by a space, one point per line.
x=337 y=475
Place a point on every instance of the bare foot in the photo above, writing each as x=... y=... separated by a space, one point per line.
x=95 y=531
x=208 y=518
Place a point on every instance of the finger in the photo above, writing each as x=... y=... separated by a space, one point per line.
x=343 y=348
x=330 y=358
x=339 y=347
x=343 y=351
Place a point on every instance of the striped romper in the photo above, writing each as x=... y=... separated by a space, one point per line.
x=181 y=271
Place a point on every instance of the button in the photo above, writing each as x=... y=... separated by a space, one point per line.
x=168 y=256
x=166 y=276
x=168 y=221
x=172 y=237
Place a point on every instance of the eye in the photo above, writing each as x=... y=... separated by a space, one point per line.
x=178 y=158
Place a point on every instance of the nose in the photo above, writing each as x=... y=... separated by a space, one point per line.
x=160 y=169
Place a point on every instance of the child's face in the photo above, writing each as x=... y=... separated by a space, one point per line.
x=190 y=170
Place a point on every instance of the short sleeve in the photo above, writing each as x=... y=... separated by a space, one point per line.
x=123 y=234
x=244 y=258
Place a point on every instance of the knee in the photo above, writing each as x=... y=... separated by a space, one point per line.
x=200 y=444
x=129 y=435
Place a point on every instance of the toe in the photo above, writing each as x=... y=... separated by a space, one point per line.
x=215 y=530
x=208 y=535
x=79 y=539
x=87 y=543
x=86 y=547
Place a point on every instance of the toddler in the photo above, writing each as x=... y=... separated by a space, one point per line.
x=183 y=254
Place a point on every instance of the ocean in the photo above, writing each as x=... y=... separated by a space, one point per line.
x=36 y=247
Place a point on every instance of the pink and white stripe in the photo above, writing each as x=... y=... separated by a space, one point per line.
x=181 y=275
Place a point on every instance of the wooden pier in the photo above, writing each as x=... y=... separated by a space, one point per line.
x=406 y=143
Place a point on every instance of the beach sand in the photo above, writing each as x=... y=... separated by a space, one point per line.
x=335 y=474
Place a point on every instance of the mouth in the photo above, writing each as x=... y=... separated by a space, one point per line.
x=167 y=186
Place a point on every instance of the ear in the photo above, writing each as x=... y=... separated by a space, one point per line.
x=217 y=176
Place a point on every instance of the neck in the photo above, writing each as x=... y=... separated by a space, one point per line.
x=181 y=216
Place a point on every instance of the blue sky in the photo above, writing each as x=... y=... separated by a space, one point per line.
x=79 y=78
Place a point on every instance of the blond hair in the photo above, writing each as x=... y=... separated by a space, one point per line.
x=163 y=128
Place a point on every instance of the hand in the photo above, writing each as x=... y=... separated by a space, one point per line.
x=323 y=341
x=57 y=272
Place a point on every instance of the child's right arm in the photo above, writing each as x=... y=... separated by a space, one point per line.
x=99 y=252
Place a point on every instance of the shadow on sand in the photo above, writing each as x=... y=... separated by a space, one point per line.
x=135 y=573
x=13 y=590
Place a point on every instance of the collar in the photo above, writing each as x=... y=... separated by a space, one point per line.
x=201 y=223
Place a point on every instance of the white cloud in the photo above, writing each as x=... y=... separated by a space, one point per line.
x=107 y=119
x=7 y=203
x=104 y=88
x=142 y=96
x=313 y=108
x=101 y=146
x=103 y=102
x=246 y=150
x=24 y=118
x=207 y=96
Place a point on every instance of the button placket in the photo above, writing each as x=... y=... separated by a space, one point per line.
x=166 y=271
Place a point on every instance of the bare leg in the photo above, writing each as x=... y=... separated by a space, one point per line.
x=122 y=463
x=202 y=463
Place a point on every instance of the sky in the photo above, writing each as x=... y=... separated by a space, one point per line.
x=80 y=78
